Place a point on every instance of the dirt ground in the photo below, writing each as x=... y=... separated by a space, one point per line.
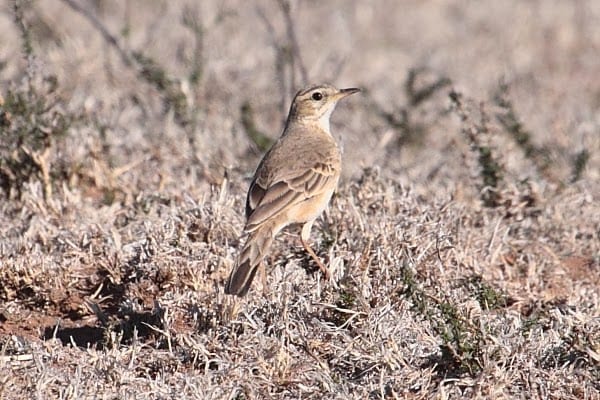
x=463 y=240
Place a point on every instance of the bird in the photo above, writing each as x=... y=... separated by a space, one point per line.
x=293 y=183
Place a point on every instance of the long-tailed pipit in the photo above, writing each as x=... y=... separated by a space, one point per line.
x=293 y=183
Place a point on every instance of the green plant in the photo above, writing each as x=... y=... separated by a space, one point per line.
x=262 y=141
x=462 y=341
x=477 y=134
x=487 y=296
x=408 y=121
x=580 y=161
x=511 y=123
x=32 y=122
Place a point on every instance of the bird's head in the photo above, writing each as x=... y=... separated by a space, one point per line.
x=316 y=103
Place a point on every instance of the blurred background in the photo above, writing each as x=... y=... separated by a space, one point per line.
x=196 y=89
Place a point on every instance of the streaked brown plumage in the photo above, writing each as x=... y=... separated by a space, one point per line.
x=293 y=183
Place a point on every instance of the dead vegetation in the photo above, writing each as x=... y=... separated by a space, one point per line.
x=464 y=240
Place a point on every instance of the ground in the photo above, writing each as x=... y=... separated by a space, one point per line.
x=463 y=240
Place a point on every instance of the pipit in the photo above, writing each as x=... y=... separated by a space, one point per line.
x=293 y=183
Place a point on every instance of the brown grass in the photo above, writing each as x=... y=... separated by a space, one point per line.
x=464 y=240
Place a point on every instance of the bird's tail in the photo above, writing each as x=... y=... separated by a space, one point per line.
x=253 y=252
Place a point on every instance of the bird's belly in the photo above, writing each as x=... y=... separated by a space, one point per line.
x=310 y=208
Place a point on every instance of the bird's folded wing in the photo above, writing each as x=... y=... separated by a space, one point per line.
x=266 y=203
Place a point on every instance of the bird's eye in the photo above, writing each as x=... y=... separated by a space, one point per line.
x=317 y=96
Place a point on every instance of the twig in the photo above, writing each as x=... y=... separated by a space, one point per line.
x=293 y=41
x=110 y=38
x=280 y=61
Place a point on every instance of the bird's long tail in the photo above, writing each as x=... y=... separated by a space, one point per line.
x=253 y=252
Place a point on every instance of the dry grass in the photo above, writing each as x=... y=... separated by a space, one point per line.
x=464 y=240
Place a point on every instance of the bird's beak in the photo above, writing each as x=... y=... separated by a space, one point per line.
x=347 y=92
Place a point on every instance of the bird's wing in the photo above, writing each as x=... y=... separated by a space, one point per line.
x=266 y=201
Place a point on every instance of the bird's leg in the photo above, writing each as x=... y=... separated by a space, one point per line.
x=263 y=276
x=304 y=239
